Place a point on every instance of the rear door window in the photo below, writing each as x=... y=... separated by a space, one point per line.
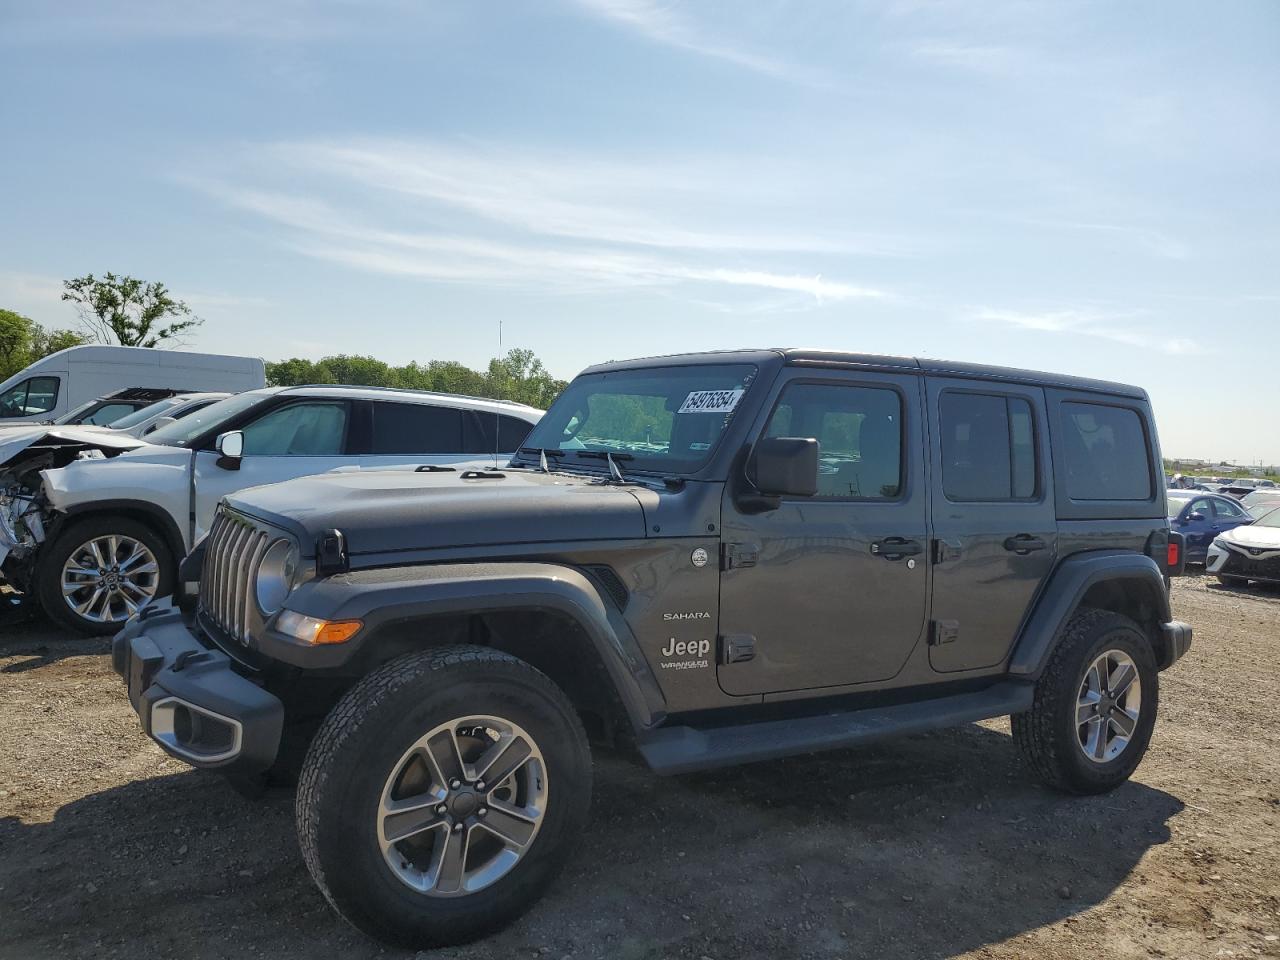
x=400 y=428
x=1105 y=452
x=988 y=447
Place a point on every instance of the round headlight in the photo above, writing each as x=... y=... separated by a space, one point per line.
x=275 y=576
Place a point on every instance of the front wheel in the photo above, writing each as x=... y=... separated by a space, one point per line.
x=442 y=795
x=101 y=571
x=1094 y=707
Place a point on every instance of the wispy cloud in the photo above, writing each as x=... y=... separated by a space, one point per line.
x=503 y=217
x=1154 y=242
x=663 y=22
x=1114 y=326
x=975 y=57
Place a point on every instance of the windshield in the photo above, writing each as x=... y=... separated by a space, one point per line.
x=1271 y=518
x=181 y=433
x=150 y=410
x=73 y=415
x=1262 y=506
x=1176 y=503
x=666 y=420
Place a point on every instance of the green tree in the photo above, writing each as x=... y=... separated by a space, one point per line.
x=130 y=312
x=23 y=341
x=517 y=376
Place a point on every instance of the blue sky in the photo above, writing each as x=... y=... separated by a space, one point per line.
x=1083 y=187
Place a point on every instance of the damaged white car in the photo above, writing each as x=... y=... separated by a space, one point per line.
x=93 y=523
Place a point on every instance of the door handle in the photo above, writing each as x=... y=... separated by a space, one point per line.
x=1024 y=543
x=895 y=548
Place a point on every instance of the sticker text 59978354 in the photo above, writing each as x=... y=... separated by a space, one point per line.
x=711 y=401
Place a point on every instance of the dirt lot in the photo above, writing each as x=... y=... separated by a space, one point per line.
x=936 y=847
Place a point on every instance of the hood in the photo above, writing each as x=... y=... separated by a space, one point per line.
x=1253 y=536
x=14 y=441
x=386 y=510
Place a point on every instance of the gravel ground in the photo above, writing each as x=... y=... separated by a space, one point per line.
x=938 y=846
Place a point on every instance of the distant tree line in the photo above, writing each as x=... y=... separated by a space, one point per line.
x=23 y=341
x=518 y=376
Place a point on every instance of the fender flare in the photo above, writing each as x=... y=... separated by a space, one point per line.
x=384 y=596
x=1064 y=592
x=157 y=516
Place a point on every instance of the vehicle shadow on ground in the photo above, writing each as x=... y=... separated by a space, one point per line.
x=28 y=645
x=930 y=847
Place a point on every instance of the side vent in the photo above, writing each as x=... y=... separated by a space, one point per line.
x=610 y=582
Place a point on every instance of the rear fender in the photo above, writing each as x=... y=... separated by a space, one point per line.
x=1135 y=577
x=387 y=599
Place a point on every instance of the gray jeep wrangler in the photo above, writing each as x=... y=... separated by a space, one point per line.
x=722 y=558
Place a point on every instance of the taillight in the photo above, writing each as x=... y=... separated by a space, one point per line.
x=1172 y=560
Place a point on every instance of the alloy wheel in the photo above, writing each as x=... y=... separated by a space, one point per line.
x=462 y=806
x=110 y=578
x=1108 y=706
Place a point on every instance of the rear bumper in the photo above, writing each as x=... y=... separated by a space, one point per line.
x=190 y=699
x=1175 y=641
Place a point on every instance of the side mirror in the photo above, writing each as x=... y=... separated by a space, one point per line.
x=1196 y=517
x=230 y=449
x=785 y=466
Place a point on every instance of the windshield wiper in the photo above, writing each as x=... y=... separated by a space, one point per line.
x=615 y=473
x=548 y=451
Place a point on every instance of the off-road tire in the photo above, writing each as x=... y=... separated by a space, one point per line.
x=359 y=744
x=1046 y=734
x=48 y=585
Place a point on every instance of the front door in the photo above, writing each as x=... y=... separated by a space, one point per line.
x=295 y=440
x=994 y=523
x=831 y=589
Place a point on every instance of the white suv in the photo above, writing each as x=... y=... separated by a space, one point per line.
x=95 y=526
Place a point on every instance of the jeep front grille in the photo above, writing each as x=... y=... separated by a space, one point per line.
x=232 y=553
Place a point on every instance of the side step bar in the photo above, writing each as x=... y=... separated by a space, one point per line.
x=670 y=750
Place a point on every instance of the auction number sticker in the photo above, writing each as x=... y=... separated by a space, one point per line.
x=711 y=401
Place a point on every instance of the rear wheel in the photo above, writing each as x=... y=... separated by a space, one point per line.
x=1095 y=705
x=101 y=571
x=442 y=795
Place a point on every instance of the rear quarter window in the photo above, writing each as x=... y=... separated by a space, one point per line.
x=1105 y=452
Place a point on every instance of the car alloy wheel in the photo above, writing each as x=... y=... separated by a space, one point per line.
x=462 y=806
x=108 y=579
x=1108 y=706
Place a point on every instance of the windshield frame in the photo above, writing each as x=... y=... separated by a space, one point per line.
x=634 y=462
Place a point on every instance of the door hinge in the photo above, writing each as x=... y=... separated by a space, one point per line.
x=944 y=631
x=944 y=550
x=737 y=648
x=736 y=555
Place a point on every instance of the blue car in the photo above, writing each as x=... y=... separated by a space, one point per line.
x=1202 y=516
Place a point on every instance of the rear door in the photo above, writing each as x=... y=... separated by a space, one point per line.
x=994 y=522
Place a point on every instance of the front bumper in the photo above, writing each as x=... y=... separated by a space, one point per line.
x=1242 y=562
x=191 y=700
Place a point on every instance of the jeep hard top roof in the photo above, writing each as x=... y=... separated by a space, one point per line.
x=841 y=360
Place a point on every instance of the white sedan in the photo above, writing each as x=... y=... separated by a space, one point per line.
x=1248 y=553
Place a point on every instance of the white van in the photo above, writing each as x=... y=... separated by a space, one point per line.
x=64 y=380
